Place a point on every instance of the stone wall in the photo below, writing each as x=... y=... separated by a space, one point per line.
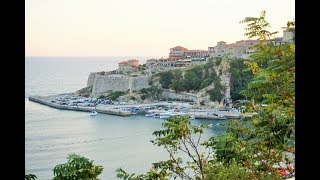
x=104 y=83
x=91 y=78
x=117 y=82
x=139 y=82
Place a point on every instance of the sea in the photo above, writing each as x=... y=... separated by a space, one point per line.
x=111 y=141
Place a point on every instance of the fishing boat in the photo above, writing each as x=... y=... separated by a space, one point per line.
x=218 y=116
x=150 y=114
x=192 y=117
x=93 y=113
x=156 y=115
x=165 y=115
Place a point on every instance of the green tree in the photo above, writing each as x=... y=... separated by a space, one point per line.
x=30 y=177
x=250 y=148
x=167 y=78
x=77 y=167
x=215 y=158
x=114 y=95
x=268 y=135
x=177 y=135
x=239 y=78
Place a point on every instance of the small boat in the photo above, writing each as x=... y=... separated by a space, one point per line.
x=165 y=115
x=218 y=124
x=210 y=125
x=157 y=115
x=218 y=116
x=150 y=114
x=93 y=113
x=192 y=117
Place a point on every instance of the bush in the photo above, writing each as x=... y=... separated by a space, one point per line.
x=114 y=95
x=218 y=61
x=77 y=167
x=215 y=94
x=101 y=97
x=30 y=177
x=239 y=78
x=143 y=97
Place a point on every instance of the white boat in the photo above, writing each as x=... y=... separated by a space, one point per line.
x=93 y=113
x=156 y=115
x=150 y=114
x=165 y=115
x=219 y=116
x=210 y=125
x=192 y=117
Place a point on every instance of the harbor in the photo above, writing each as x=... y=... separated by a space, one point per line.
x=161 y=109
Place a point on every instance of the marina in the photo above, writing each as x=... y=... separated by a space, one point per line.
x=161 y=109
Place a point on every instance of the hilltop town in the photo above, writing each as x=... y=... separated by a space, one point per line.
x=131 y=76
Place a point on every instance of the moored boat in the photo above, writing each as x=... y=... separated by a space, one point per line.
x=165 y=115
x=93 y=113
x=150 y=114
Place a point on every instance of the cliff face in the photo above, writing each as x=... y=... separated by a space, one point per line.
x=225 y=77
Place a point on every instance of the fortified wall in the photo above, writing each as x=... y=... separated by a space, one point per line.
x=91 y=78
x=115 y=82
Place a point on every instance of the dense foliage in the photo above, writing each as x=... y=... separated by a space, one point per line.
x=193 y=78
x=215 y=158
x=216 y=93
x=30 y=177
x=251 y=148
x=169 y=77
x=239 y=78
x=114 y=95
x=77 y=167
x=153 y=92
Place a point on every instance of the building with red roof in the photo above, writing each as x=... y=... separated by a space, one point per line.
x=129 y=65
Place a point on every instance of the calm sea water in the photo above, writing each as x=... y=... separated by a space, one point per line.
x=111 y=141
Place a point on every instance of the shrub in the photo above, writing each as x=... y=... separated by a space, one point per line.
x=77 y=167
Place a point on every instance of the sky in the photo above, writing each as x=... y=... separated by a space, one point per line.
x=141 y=27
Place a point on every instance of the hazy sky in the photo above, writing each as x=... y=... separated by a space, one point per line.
x=141 y=27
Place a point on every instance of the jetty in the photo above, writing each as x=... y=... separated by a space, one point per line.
x=52 y=102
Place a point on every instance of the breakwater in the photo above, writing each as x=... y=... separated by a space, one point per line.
x=77 y=103
x=47 y=100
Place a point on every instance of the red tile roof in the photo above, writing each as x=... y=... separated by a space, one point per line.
x=195 y=50
x=233 y=45
x=133 y=60
x=178 y=47
x=123 y=62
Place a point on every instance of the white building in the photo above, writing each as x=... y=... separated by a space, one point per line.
x=287 y=35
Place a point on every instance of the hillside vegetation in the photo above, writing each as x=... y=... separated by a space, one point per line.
x=190 y=79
